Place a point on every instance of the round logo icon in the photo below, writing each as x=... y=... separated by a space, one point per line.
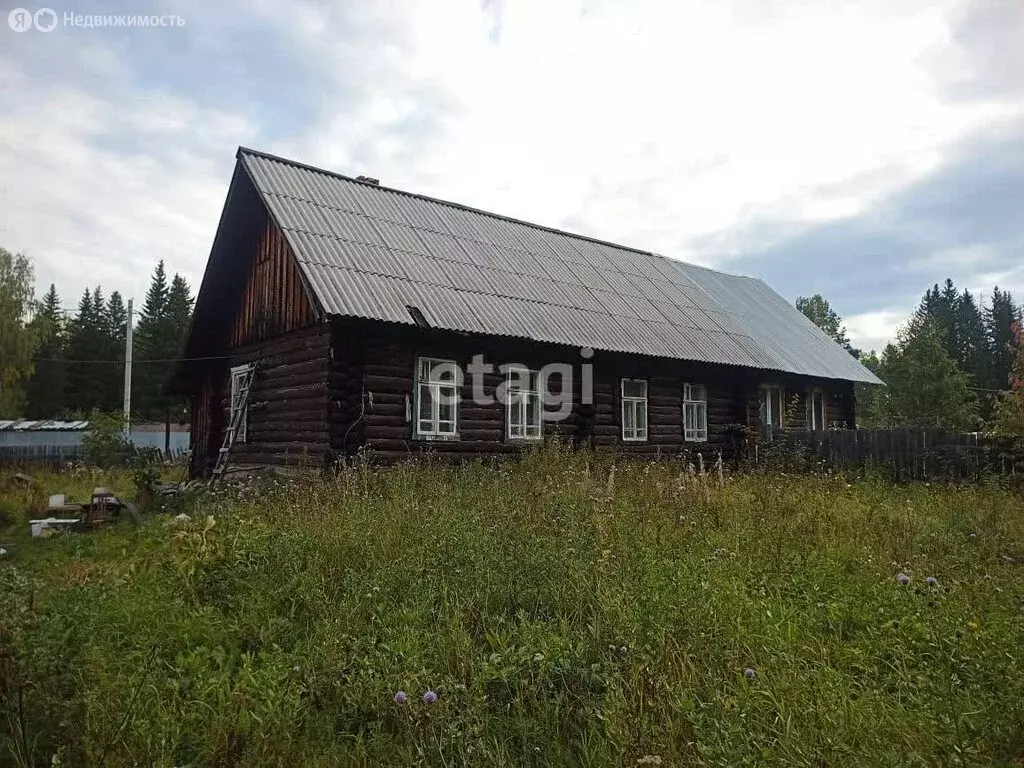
x=45 y=19
x=20 y=20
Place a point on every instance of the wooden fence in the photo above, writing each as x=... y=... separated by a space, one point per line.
x=908 y=454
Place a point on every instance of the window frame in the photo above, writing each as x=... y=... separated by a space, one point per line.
x=634 y=403
x=435 y=386
x=766 y=391
x=238 y=374
x=521 y=404
x=699 y=406
x=814 y=413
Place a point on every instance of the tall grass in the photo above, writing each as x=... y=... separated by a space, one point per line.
x=565 y=612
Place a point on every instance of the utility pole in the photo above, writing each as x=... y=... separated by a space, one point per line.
x=128 y=375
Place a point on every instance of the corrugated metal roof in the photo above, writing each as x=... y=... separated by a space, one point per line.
x=42 y=425
x=371 y=252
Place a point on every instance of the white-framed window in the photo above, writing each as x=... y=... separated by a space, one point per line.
x=634 y=409
x=816 y=409
x=524 y=405
x=239 y=373
x=437 y=399
x=695 y=413
x=773 y=405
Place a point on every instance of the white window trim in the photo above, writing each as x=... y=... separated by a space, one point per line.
x=238 y=373
x=816 y=415
x=699 y=405
x=435 y=433
x=767 y=390
x=634 y=402
x=512 y=378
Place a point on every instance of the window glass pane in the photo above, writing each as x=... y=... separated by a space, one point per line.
x=515 y=410
x=446 y=405
x=533 y=410
x=641 y=416
x=426 y=402
x=634 y=388
x=628 y=418
x=689 y=420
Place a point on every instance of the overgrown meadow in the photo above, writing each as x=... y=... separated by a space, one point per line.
x=560 y=610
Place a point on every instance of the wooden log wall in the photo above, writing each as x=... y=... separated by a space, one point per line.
x=274 y=300
x=665 y=379
x=288 y=403
x=348 y=402
x=388 y=365
x=839 y=399
x=372 y=380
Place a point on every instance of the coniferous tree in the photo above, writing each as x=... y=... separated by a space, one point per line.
x=999 y=319
x=972 y=341
x=46 y=387
x=115 y=318
x=150 y=345
x=81 y=347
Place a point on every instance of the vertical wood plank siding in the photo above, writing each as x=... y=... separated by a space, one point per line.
x=274 y=300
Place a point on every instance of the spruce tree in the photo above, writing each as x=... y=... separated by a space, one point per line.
x=999 y=319
x=972 y=347
x=46 y=386
x=84 y=347
x=151 y=341
x=115 y=319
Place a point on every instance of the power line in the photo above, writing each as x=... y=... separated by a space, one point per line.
x=135 y=361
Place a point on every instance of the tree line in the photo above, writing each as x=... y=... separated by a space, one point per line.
x=60 y=364
x=957 y=363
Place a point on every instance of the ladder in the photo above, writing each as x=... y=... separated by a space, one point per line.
x=239 y=407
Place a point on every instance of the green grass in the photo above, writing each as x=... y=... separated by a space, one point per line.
x=563 y=618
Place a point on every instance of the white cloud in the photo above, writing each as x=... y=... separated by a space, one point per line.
x=697 y=129
x=97 y=190
x=873 y=330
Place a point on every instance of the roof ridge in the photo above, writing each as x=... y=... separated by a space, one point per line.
x=461 y=206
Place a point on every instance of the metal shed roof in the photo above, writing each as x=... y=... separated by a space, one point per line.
x=371 y=252
x=42 y=425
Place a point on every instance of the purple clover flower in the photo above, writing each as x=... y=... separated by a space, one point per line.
x=931 y=581
x=749 y=673
x=902 y=579
x=429 y=697
x=401 y=697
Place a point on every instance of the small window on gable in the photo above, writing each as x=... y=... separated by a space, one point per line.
x=437 y=399
x=634 y=409
x=695 y=413
x=772 y=406
x=816 y=409
x=239 y=408
x=524 y=405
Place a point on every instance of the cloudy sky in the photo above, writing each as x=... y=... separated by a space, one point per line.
x=863 y=150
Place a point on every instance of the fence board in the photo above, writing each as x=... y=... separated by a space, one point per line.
x=906 y=453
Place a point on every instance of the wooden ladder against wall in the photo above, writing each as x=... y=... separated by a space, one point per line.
x=238 y=413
